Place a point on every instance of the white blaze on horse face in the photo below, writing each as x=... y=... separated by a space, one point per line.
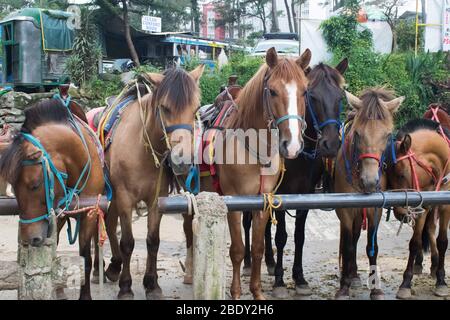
x=294 y=145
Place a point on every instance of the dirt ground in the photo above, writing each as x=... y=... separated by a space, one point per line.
x=320 y=260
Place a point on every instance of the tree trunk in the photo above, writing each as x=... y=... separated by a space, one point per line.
x=288 y=12
x=126 y=24
x=275 y=26
x=294 y=16
x=263 y=19
x=424 y=13
x=195 y=15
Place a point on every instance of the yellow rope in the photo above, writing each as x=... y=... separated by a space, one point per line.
x=273 y=201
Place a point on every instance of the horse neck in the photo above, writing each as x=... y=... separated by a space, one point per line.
x=152 y=124
x=250 y=113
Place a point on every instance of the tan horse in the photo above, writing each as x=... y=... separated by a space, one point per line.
x=359 y=167
x=22 y=165
x=273 y=98
x=422 y=163
x=136 y=176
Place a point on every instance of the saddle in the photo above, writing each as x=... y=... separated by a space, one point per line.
x=227 y=96
x=437 y=113
x=213 y=116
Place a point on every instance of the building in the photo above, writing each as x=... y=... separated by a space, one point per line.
x=209 y=27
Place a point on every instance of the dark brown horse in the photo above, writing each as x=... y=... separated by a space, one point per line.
x=360 y=168
x=272 y=99
x=423 y=165
x=48 y=148
x=322 y=139
x=158 y=126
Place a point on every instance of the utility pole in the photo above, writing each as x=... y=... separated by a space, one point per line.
x=299 y=27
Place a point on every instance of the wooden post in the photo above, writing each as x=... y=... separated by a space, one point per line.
x=210 y=247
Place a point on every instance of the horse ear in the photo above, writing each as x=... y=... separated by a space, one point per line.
x=197 y=72
x=304 y=59
x=392 y=105
x=405 y=145
x=353 y=101
x=272 y=57
x=155 y=78
x=342 y=66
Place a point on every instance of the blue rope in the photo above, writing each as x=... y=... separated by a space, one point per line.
x=193 y=176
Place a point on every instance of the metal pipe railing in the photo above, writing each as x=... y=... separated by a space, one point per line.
x=8 y=206
x=179 y=203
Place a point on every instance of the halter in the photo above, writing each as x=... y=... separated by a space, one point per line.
x=275 y=122
x=319 y=126
x=50 y=172
x=412 y=158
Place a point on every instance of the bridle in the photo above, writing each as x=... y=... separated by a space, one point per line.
x=273 y=121
x=318 y=126
x=52 y=174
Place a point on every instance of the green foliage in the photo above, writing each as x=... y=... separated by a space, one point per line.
x=406 y=35
x=341 y=33
x=82 y=65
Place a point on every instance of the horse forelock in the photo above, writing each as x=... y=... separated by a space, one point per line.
x=323 y=73
x=177 y=91
x=372 y=109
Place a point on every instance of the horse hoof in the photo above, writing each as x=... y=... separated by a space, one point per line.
x=342 y=294
x=377 y=294
x=128 y=295
x=280 y=292
x=259 y=296
x=417 y=269
x=303 y=290
x=61 y=295
x=271 y=270
x=404 y=293
x=356 y=283
x=187 y=279
x=247 y=271
x=112 y=275
x=441 y=291
x=155 y=294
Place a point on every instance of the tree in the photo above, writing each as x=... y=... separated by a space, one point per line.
x=257 y=9
x=390 y=11
x=195 y=16
x=274 y=15
x=288 y=13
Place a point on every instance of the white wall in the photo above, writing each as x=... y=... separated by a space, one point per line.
x=433 y=34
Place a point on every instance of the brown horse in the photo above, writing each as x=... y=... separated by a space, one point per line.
x=359 y=168
x=163 y=119
x=324 y=105
x=272 y=99
x=58 y=154
x=423 y=164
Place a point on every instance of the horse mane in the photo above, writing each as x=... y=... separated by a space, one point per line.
x=44 y=112
x=177 y=90
x=250 y=99
x=323 y=72
x=420 y=124
x=371 y=108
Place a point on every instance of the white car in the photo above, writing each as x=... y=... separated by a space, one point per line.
x=283 y=47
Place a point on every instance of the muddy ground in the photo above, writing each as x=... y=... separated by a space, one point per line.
x=320 y=260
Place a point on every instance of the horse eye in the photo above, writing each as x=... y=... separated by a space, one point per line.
x=273 y=93
x=165 y=109
x=35 y=185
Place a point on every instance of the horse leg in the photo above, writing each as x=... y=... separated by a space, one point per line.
x=95 y=273
x=115 y=266
x=236 y=252
x=187 y=227
x=88 y=227
x=279 y=288
x=124 y=207
x=347 y=253
x=442 y=244
x=301 y=285
x=259 y=220
x=372 y=253
x=356 y=280
x=415 y=244
x=268 y=251
x=431 y=233
x=152 y=288
x=247 y=223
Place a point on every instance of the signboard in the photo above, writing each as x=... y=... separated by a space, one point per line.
x=151 y=24
x=446 y=26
